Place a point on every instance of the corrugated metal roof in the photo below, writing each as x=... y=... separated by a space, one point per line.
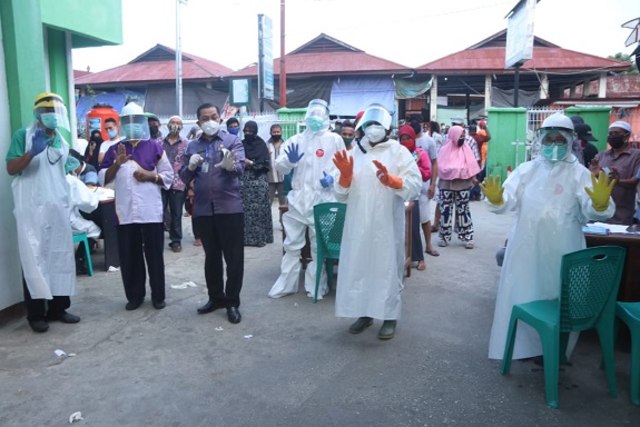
x=150 y=67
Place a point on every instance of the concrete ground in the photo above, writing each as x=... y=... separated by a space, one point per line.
x=291 y=362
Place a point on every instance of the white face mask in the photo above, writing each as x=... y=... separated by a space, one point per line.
x=375 y=133
x=210 y=128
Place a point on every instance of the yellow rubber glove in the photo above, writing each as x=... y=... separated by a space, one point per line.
x=492 y=190
x=601 y=191
x=344 y=163
x=385 y=178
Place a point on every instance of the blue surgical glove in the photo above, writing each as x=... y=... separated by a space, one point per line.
x=293 y=154
x=326 y=181
x=39 y=142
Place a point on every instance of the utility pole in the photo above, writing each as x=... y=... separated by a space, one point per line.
x=179 y=57
x=283 y=70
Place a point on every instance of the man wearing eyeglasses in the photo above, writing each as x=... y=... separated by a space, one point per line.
x=36 y=158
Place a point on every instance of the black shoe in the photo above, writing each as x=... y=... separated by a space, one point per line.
x=133 y=305
x=64 y=318
x=159 y=305
x=360 y=325
x=209 y=307
x=176 y=247
x=233 y=315
x=39 y=325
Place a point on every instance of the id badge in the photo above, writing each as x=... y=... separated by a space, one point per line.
x=205 y=167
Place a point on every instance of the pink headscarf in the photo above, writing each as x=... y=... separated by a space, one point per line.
x=456 y=162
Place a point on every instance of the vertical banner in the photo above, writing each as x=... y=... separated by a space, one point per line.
x=265 y=60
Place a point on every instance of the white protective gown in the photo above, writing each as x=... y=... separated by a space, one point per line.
x=306 y=192
x=551 y=206
x=41 y=199
x=82 y=199
x=372 y=251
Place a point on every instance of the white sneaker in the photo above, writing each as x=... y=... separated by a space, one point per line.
x=442 y=243
x=469 y=244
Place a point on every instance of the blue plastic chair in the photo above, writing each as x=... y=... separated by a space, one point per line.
x=590 y=281
x=329 y=222
x=629 y=313
x=82 y=239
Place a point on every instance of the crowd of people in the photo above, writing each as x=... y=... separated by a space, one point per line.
x=227 y=177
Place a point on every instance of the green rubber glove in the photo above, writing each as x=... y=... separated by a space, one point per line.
x=601 y=191
x=492 y=189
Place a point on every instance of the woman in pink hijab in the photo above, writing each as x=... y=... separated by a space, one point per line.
x=457 y=167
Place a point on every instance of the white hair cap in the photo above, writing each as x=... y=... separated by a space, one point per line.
x=622 y=125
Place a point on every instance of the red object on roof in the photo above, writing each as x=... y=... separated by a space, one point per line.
x=488 y=56
x=156 y=65
x=325 y=55
x=78 y=73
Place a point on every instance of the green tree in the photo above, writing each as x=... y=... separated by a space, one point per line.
x=623 y=57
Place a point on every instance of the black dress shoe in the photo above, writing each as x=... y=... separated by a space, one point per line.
x=64 y=317
x=209 y=307
x=39 y=325
x=159 y=305
x=233 y=315
x=131 y=305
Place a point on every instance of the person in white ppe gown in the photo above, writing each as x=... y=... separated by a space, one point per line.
x=81 y=199
x=376 y=179
x=36 y=158
x=309 y=154
x=553 y=196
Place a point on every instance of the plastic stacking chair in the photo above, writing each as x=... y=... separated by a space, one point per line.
x=329 y=222
x=629 y=313
x=82 y=239
x=590 y=281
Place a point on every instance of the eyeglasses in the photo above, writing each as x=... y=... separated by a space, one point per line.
x=554 y=140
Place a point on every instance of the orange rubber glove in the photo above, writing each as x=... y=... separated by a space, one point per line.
x=390 y=181
x=344 y=163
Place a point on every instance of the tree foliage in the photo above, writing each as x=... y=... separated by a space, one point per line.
x=623 y=57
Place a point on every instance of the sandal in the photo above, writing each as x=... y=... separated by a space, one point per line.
x=421 y=266
x=432 y=252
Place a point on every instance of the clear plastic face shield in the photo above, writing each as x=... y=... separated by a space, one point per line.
x=375 y=123
x=317 y=117
x=134 y=127
x=554 y=143
x=50 y=112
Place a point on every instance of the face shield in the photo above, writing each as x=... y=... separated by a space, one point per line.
x=317 y=117
x=554 y=143
x=134 y=127
x=50 y=111
x=375 y=113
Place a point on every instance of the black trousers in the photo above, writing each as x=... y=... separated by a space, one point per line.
x=39 y=309
x=137 y=242
x=174 y=199
x=416 y=233
x=222 y=235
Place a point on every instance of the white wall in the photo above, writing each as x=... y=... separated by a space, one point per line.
x=10 y=271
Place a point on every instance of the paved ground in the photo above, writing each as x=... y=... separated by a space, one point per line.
x=291 y=362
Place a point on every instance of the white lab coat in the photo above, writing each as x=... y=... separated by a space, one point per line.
x=41 y=199
x=372 y=251
x=551 y=207
x=306 y=192
x=85 y=200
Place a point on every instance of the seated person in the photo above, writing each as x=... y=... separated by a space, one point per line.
x=81 y=199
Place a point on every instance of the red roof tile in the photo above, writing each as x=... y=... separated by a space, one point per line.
x=157 y=65
x=491 y=60
x=325 y=55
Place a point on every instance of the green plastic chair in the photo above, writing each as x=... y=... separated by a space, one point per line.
x=590 y=281
x=629 y=313
x=329 y=222
x=82 y=239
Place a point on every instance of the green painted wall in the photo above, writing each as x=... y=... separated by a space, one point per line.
x=91 y=23
x=58 y=66
x=507 y=125
x=24 y=57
